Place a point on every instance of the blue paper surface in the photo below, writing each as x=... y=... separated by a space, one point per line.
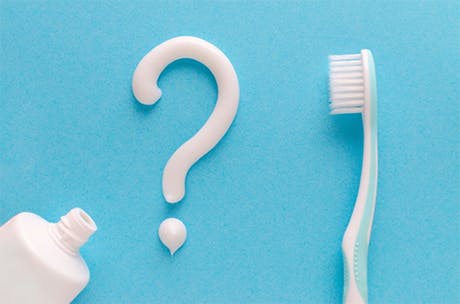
x=266 y=209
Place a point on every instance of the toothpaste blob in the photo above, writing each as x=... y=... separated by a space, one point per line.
x=172 y=233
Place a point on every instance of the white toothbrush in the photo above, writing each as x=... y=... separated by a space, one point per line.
x=353 y=90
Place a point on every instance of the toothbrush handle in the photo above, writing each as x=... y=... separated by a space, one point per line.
x=357 y=235
x=355 y=269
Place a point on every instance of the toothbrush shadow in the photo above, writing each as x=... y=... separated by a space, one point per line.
x=348 y=128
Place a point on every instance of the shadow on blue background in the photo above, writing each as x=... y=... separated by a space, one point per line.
x=266 y=209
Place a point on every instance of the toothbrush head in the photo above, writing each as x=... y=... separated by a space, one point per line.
x=351 y=82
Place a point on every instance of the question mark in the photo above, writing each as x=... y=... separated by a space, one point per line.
x=146 y=91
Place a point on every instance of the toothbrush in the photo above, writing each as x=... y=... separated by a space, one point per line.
x=353 y=90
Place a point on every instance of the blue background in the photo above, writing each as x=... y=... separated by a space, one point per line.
x=266 y=209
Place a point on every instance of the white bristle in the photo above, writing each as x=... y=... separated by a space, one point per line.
x=347 y=81
x=345 y=69
x=340 y=63
x=348 y=88
x=346 y=104
x=345 y=57
x=337 y=96
x=346 y=84
x=350 y=75
x=347 y=110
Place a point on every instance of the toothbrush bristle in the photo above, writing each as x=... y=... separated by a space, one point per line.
x=346 y=84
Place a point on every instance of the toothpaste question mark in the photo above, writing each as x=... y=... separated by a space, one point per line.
x=146 y=91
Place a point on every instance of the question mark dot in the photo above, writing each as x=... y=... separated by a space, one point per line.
x=172 y=233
